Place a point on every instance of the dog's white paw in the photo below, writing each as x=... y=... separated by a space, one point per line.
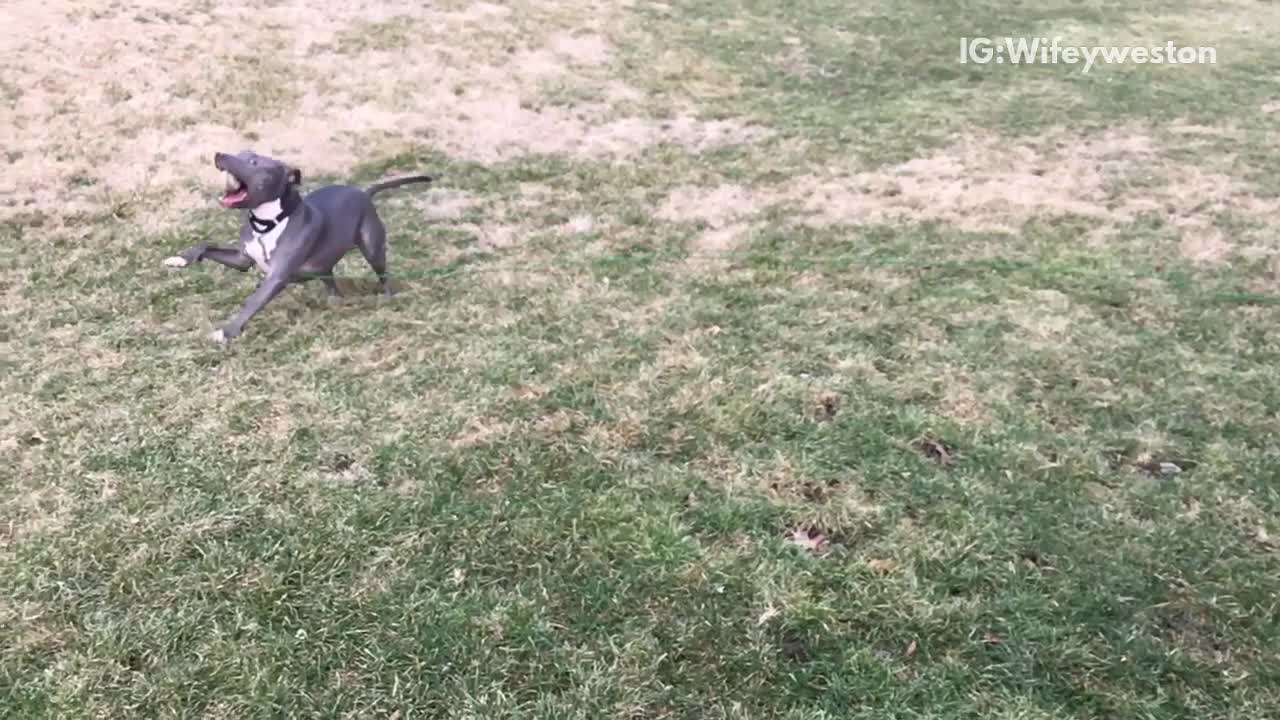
x=175 y=261
x=218 y=336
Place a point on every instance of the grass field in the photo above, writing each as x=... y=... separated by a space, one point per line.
x=752 y=360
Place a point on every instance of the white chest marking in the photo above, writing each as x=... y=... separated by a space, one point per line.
x=262 y=246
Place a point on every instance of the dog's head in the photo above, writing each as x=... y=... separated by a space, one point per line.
x=253 y=179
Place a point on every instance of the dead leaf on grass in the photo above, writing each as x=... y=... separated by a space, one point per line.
x=911 y=649
x=937 y=450
x=810 y=539
x=1160 y=468
x=768 y=614
x=881 y=566
x=530 y=392
x=1165 y=468
x=828 y=406
x=813 y=492
x=1034 y=561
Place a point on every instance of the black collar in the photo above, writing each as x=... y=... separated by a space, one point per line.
x=287 y=204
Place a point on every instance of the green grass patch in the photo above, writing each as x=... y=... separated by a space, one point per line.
x=890 y=469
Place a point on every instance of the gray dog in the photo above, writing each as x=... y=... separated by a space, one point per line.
x=289 y=237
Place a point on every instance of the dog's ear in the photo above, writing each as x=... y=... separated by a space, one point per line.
x=294 y=175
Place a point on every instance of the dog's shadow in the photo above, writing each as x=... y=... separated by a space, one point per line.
x=351 y=290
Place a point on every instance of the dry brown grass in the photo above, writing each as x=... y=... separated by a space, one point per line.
x=472 y=80
x=961 y=401
x=722 y=239
x=465 y=78
x=715 y=206
x=1223 y=24
x=983 y=183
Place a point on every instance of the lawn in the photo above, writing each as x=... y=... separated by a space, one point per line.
x=751 y=360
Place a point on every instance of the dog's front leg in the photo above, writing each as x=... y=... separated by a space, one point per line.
x=270 y=286
x=234 y=258
x=228 y=257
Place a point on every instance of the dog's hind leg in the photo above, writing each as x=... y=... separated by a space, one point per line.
x=371 y=238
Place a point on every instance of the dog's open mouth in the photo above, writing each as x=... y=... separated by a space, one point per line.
x=235 y=190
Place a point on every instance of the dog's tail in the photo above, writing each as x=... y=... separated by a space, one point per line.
x=397 y=182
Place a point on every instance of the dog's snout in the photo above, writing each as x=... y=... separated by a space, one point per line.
x=217 y=160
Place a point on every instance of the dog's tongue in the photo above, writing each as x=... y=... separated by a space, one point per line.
x=232 y=198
